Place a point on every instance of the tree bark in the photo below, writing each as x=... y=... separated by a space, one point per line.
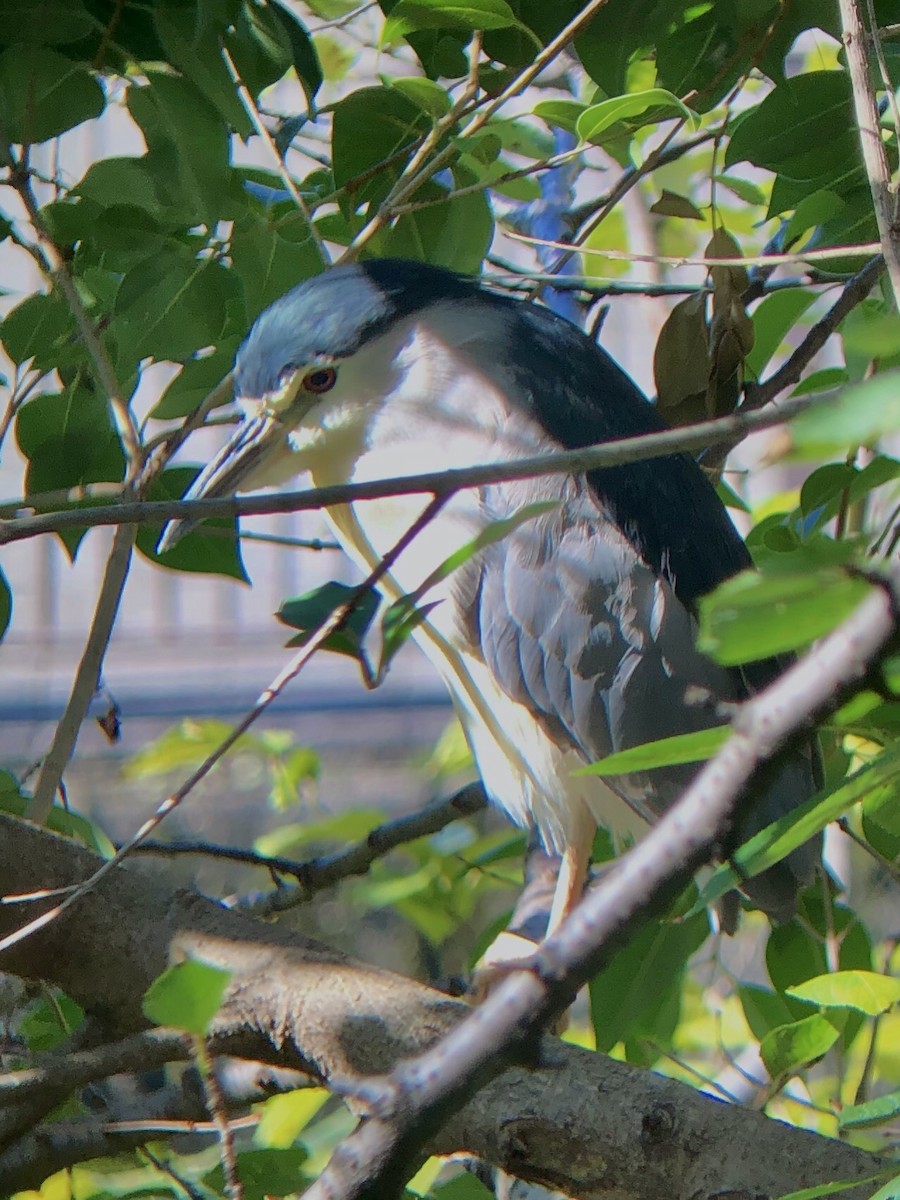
x=577 y=1121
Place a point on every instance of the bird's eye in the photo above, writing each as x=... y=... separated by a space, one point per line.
x=321 y=380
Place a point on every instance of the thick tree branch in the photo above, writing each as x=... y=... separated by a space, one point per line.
x=870 y=139
x=441 y=483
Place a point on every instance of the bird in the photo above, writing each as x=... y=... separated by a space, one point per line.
x=574 y=635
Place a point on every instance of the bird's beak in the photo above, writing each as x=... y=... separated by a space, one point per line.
x=254 y=443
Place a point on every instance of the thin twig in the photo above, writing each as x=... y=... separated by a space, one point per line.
x=253 y=113
x=870 y=140
x=801 y=256
x=86 y=677
x=326 y=870
x=565 y=462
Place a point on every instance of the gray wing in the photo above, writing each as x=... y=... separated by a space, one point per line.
x=577 y=627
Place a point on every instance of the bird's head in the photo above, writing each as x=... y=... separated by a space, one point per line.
x=309 y=370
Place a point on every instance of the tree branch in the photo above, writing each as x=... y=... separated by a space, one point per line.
x=873 y=151
x=578 y=1121
x=605 y=454
x=316 y=874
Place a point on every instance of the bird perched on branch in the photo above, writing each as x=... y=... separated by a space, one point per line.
x=574 y=635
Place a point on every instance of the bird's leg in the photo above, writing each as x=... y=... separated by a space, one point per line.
x=572 y=874
x=514 y=946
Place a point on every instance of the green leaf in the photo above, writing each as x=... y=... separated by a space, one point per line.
x=70 y=440
x=410 y=15
x=430 y=96
x=789 y=1048
x=42 y=94
x=37 y=328
x=187 y=745
x=211 y=549
x=637 y=109
x=773 y=320
x=186 y=996
x=186 y=137
x=197 y=378
x=627 y=996
x=285 y=1117
x=309 y=612
x=865 y=991
x=454 y=234
x=872 y=1112
x=347 y=826
x=304 y=57
x=191 y=40
x=264 y=1173
x=779 y=839
x=666 y=752
x=859 y=416
x=391 y=122
x=754 y=615
x=564 y=113
x=764 y=1010
x=890 y=1191
x=169 y=307
x=270 y=257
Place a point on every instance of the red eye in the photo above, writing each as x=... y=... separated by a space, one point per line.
x=320 y=381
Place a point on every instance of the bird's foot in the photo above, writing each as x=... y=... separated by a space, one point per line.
x=508 y=952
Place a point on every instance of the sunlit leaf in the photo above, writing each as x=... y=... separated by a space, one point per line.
x=186 y=996
x=667 y=752
x=789 y=1048
x=865 y=991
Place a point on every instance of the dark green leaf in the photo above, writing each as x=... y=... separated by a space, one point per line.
x=270 y=257
x=303 y=52
x=264 y=1173
x=186 y=996
x=800 y=128
x=627 y=995
x=47 y=22
x=779 y=839
x=260 y=45
x=42 y=94
x=391 y=122
x=170 y=307
x=196 y=380
x=671 y=204
x=191 y=40
x=310 y=611
x=455 y=233
x=37 y=328
x=764 y=1010
x=187 y=142
x=212 y=549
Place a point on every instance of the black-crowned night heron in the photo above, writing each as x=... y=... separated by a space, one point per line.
x=574 y=635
